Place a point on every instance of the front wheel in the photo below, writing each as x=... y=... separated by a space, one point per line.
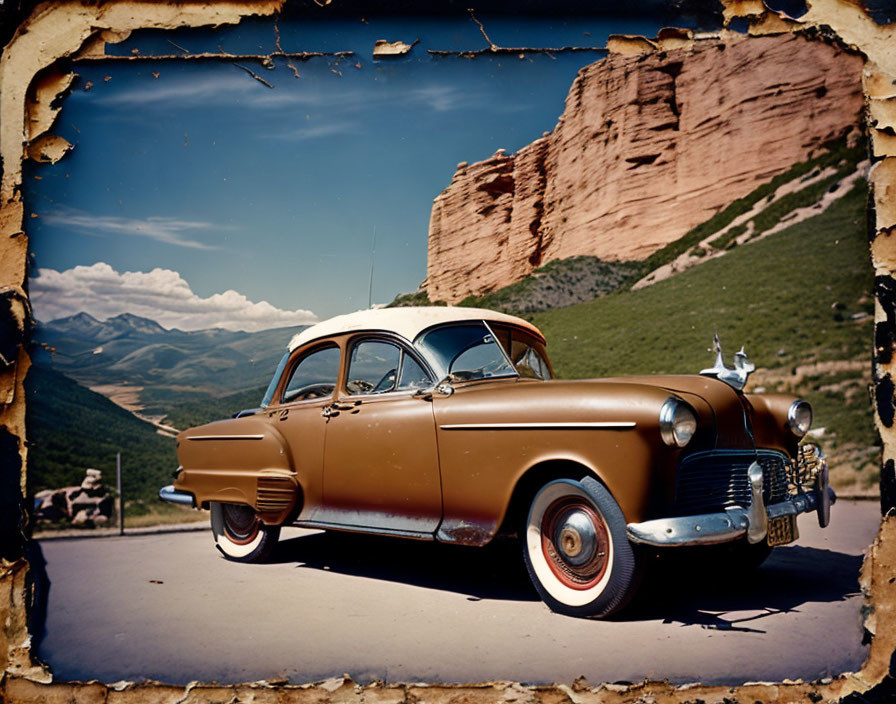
x=239 y=533
x=576 y=549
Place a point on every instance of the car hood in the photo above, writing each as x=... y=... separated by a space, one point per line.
x=718 y=405
x=707 y=395
x=707 y=387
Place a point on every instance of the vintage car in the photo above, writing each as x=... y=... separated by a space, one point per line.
x=446 y=424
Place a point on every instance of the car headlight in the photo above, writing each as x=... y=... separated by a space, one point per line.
x=799 y=418
x=678 y=422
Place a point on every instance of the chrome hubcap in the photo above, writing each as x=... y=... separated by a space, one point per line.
x=575 y=538
x=240 y=522
x=575 y=542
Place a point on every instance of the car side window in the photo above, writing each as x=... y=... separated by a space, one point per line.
x=314 y=376
x=373 y=367
x=413 y=376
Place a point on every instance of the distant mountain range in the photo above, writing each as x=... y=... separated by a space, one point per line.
x=171 y=366
x=86 y=327
x=136 y=365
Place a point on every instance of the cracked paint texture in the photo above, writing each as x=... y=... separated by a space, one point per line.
x=34 y=83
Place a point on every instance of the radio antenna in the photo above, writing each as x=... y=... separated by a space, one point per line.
x=372 y=257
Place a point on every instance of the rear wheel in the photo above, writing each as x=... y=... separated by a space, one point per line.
x=239 y=533
x=576 y=549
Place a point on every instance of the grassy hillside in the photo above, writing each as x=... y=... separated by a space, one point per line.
x=558 y=283
x=71 y=428
x=188 y=414
x=842 y=158
x=800 y=301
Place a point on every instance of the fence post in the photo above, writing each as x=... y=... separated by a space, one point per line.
x=120 y=497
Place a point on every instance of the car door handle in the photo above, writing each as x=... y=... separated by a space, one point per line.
x=329 y=412
x=345 y=406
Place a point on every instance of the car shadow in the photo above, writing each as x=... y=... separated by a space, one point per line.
x=691 y=591
x=495 y=571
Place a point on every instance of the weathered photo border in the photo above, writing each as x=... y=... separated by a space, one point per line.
x=35 y=76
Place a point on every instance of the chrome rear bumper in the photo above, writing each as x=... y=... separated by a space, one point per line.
x=169 y=493
x=735 y=522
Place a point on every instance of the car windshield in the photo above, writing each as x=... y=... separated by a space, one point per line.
x=466 y=352
x=269 y=394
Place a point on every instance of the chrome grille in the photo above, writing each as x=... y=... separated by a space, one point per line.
x=774 y=477
x=712 y=481
x=274 y=494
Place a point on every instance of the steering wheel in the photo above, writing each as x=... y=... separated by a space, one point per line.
x=492 y=367
x=304 y=393
x=359 y=386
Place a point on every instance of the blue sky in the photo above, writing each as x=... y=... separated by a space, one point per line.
x=274 y=194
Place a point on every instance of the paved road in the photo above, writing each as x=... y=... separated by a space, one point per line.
x=169 y=607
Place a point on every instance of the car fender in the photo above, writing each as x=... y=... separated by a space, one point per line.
x=609 y=431
x=241 y=460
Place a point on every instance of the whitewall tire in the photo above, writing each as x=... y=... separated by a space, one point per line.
x=240 y=535
x=576 y=549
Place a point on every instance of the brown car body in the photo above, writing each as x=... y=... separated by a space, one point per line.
x=459 y=460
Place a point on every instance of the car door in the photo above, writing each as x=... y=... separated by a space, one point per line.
x=381 y=466
x=299 y=416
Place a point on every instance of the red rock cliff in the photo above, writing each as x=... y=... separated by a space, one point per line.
x=647 y=147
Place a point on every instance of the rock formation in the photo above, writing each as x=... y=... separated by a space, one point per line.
x=647 y=147
x=87 y=505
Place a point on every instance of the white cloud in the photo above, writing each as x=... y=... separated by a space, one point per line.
x=227 y=89
x=221 y=88
x=161 y=294
x=440 y=98
x=162 y=229
x=327 y=129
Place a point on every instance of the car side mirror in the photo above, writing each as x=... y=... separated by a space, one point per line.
x=444 y=387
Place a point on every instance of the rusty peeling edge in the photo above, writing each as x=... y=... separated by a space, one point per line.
x=344 y=689
x=501 y=50
x=213 y=56
x=24 y=679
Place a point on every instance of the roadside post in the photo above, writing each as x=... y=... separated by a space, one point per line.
x=120 y=497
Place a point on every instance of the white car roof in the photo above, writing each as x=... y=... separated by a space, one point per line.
x=407 y=322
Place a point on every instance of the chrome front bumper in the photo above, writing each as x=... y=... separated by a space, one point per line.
x=175 y=496
x=736 y=522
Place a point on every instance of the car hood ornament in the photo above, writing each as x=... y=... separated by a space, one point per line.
x=737 y=377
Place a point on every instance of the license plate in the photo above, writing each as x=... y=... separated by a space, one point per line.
x=782 y=530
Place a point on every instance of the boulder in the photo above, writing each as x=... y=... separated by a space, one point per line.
x=86 y=503
x=82 y=504
x=106 y=506
x=48 y=512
